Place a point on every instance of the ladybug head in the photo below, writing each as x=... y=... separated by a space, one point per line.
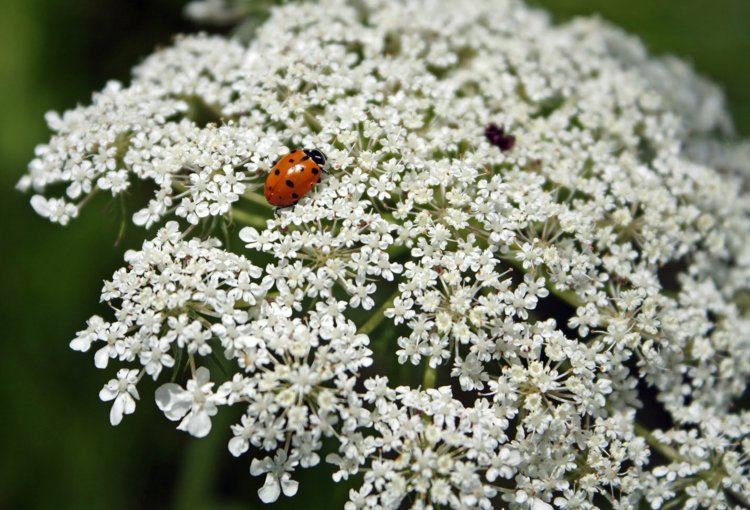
x=316 y=156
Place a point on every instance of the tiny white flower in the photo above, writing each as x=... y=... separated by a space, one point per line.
x=124 y=393
x=194 y=405
x=278 y=480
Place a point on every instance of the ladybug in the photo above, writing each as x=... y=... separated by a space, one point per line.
x=293 y=176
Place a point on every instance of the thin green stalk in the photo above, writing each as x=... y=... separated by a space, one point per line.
x=429 y=378
x=197 y=478
x=662 y=448
x=377 y=317
x=248 y=219
x=256 y=198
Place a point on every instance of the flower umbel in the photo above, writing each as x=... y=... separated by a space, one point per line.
x=539 y=219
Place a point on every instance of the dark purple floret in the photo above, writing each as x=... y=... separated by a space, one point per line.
x=497 y=136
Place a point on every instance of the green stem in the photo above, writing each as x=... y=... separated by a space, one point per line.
x=429 y=378
x=312 y=122
x=377 y=317
x=196 y=481
x=248 y=219
x=657 y=445
x=256 y=198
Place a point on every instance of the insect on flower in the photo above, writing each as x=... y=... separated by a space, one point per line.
x=293 y=176
x=497 y=136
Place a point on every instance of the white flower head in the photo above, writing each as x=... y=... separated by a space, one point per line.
x=543 y=220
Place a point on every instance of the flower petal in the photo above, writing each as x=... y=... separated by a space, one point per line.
x=270 y=490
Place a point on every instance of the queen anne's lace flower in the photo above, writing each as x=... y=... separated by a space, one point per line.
x=552 y=285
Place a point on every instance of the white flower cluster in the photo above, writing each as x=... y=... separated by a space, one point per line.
x=706 y=461
x=428 y=444
x=586 y=257
x=295 y=376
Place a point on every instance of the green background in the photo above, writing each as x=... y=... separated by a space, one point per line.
x=58 y=450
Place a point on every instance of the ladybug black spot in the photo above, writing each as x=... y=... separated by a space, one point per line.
x=294 y=195
x=291 y=160
x=277 y=172
x=290 y=183
x=315 y=171
x=305 y=158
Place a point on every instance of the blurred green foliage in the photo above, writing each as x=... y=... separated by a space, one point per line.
x=713 y=35
x=58 y=449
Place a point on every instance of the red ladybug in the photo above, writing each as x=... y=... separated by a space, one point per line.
x=293 y=176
